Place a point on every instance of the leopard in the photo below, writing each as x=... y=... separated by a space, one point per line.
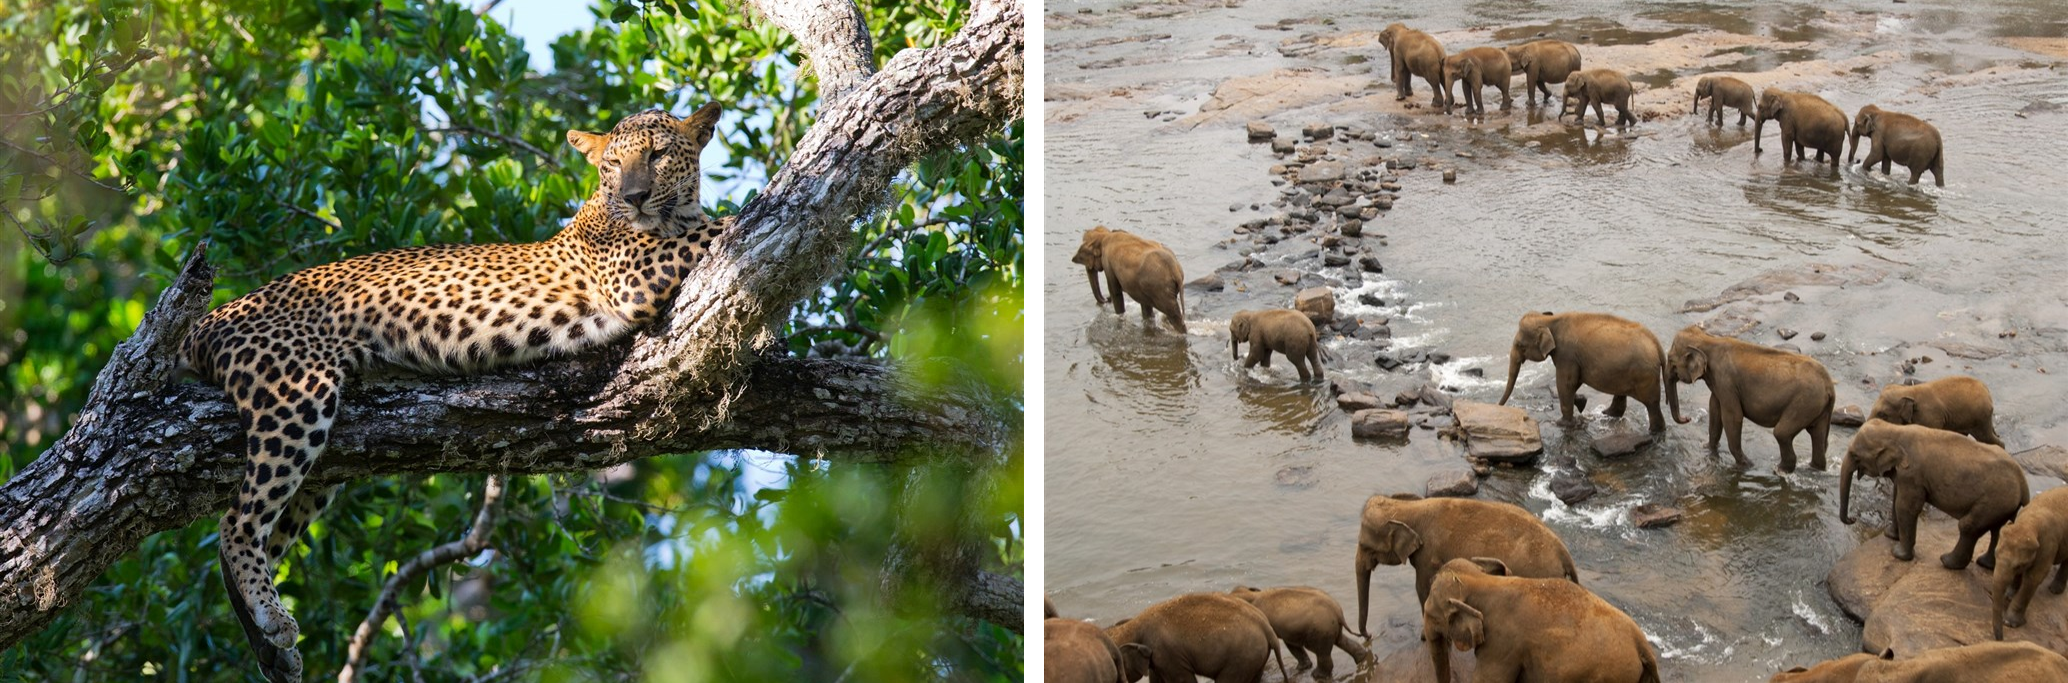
x=284 y=352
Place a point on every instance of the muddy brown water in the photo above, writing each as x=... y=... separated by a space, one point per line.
x=1169 y=469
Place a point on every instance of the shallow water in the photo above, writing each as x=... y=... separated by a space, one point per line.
x=1170 y=470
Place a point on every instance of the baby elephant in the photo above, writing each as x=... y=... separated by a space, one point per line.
x=1140 y=268
x=1724 y=91
x=1955 y=404
x=1531 y=629
x=1901 y=139
x=1281 y=330
x=1597 y=350
x=2022 y=662
x=1478 y=68
x=1789 y=392
x=1977 y=484
x=2033 y=544
x=1806 y=121
x=1308 y=620
x=1077 y=652
x=1597 y=87
x=1197 y=634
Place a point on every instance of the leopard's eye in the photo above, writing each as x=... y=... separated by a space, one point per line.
x=652 y=153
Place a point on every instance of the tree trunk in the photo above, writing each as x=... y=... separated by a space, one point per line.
x=146 y=455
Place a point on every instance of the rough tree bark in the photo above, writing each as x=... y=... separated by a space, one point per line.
x=147 y=455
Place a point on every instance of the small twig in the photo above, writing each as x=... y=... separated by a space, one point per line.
x=389 y=602
x=66 y=167
x=486 y=7
x=505 y=139
x=311 y=214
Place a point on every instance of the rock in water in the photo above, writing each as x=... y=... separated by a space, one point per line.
x=1338 y=386
x=1493 y=432
x=1358 y=402
x=1849 y=416
x=1917 y=605
x=1653 y=516
x=1261 y=132
x=1379 y=424
x=1572 y=487
x=1322 y=172
x=1319 y=303
x=1211 y=282
x=1621 y=443
x=1320 y=131
x=1452 y=484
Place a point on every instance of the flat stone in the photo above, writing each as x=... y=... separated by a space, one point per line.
x=1358 y=402
x=1319 y=303
x=1379 y=424
x=1320 y=131
x=1653 y=516
x=1322 y=172
x=1621 y=443
x=1816 y=336
x=1289 y=277
x=1335 y=260
x=1336 y=197
x=1785 y=332
x=1386 y=362
x=1494 y=432
x=1370 y=264
x=1351 y=229
x=1211 y=282
x=1369 y=332
x=1439 y=357
x=1572 y=487
x=2048 y=460
x=1370 y=299
x=1260 y=131
x=1918 y=605
x=1452 y=484
x=1281 y=146
x=1434 y=397
x=1408 y=398
x=1450 y=175
x=1849 y=416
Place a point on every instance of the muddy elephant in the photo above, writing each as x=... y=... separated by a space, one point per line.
x=1425 y=533
x=1542 y=63
x=1413 y=54
x=2034 y=544
x=1277 y=330
x=1309 y=621
x=1477 y=68
x=1955 y=404
x=1788 y=392
x=1806 y=122
x=1597 y=87
x=1526 y=629
x=1901 y=139
x=2022 y=662
x=1976 y=484
x=1197 y=634
x=1140 y=268
x=1597 y=350
x=1077 y=652
x=1724 y=91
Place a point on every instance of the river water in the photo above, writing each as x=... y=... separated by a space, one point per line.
x=1169 y=469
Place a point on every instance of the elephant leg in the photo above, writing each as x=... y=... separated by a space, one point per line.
x=1616 y=406
x=1651 y=412
x=1988 y=558
x=1266 y=355
x=1715 y=422
x=1742 y=118
x=1820 y=438
x=1909 y=505
x=1314 y=360
x=1257 y=354
x=2028 y=585
x=1299 y=653
x=2060 y=582
x=1299 y=363
x=1324 y=666
x=1916 y=174
x=1568 y=392
x=1784 y=436
x=1538 y=85
x=1963 y=550
x=1113 y=286
x=1363 y=656
x=1508 y=100
x=1734 y=428
x=1600 y=116
x=1894 y=531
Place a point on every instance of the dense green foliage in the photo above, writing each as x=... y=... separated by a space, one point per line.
x=299 y=132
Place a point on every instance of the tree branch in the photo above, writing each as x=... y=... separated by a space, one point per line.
x=834 y=39
x=145 y=456
x=410 y=573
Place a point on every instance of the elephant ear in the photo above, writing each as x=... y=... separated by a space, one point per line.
x=1697 y=364
x=1401 y=542
x=1795 y=670
x=1465 y=626
x=1492 y=566
x=1905 y=411
x=1136 y=659
x=1543 y=345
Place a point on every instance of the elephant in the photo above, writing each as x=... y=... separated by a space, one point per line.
x=1955 y=404
x=1788 y=392
x=1526 y=629
x=1197 y=634
x=2022 y=662
x=1977 y=484
x=1141 y=268
x=1724 y=91
x=2034 y=544
x=1478 y=67
x=1425 y=533
x=1806 y=121
x=1542 y=63
x=1414 y=53
x=1281 y=330
x=1601 y=351
x=1308 y=620
x=1597 y=87
x=1899 y=138
x=1077 y=652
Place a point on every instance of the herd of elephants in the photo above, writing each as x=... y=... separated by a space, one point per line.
x=1494 y=579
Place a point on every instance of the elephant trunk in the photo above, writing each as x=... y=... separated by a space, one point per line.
x=1673 y=399
x=1999 y=595
x=1514 y=367
x=1845 y=490
x=1439 y=655
x=1366 y=562
x=1235 y=346
x=1092 y=275
x=1854 y=148
x=1758 y=123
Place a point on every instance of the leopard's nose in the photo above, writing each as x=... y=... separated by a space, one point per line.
x=637 y=198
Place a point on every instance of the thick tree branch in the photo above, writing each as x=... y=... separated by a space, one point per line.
x=145 y=456
x=409 y=574
x=834 y=40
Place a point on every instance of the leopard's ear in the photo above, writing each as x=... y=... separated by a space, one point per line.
x=591 y=145
x=699 y=126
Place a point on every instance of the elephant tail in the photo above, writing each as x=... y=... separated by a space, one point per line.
x=1651 y=668
x=1282 y=675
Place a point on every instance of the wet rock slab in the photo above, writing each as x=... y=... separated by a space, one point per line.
x=1654 y=515
x=1622 y=442
x=1379 y=424
x=1453 y=484
x=1501 y=433
x=1849 y=416
x=1919 y=605
x=1572 y=487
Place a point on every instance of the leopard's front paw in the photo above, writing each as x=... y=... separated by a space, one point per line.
x=278 y=627
x=282 y=665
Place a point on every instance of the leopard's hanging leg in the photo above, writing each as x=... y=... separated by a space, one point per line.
x=287 y=417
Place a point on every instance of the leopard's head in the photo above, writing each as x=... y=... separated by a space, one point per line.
x=648 y=169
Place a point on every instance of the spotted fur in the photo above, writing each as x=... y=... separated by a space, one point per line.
x=283 y=351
